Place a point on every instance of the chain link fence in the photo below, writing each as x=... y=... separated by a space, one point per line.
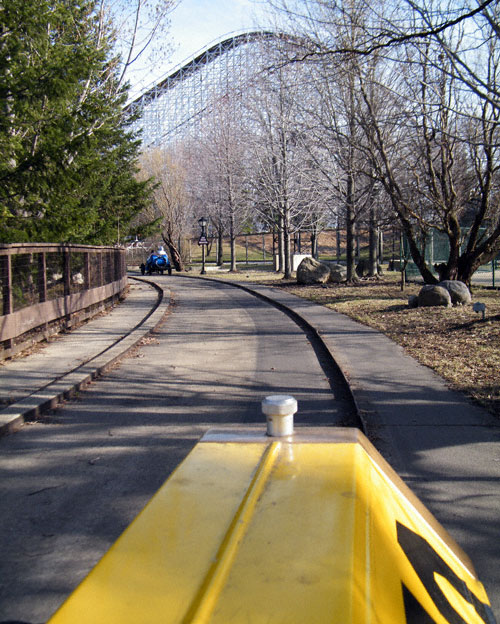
x=437 y=249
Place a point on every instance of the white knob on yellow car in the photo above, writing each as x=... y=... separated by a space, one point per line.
x=279 y=410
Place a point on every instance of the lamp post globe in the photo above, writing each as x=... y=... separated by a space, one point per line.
x=203 y=222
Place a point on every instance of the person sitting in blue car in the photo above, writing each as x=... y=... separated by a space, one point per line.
x=157 y=262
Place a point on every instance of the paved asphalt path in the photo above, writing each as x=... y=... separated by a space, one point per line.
x=79 y=478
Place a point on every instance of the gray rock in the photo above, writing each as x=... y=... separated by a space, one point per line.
x=310 y=271
x=459 y=293
x=338 y=272
x=338 y=276
x=432 y=295
x=413 y=301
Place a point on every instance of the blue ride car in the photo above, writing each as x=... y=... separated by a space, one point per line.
x=158 y=262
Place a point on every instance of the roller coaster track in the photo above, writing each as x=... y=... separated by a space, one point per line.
x=174 y=109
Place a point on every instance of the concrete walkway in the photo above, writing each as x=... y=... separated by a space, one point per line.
x=32 y=384
x=444 y=447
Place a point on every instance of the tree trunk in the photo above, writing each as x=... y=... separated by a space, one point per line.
x=232 y=236
x=312 y=241
x=287 y=250
x=417 y=256
x=351 y=271
x=466 y=267
x=281 y=246
x=175 y=256
x=373 y=244
x=449 y=270
x=314 y=245
x=220 y=247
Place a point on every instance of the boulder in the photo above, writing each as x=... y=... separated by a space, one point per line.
x=338 y=272
x=459 y=293
x=432 y=295
x=310 y=271
x=413 y=301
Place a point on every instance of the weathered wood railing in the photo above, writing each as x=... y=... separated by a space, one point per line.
x=45 y=285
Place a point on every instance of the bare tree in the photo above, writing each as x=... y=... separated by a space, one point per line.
x=464 y=36
x=390 y=25
x=141 y=28
x=334 y=141
x=221 y=179
x=428 y=113
x=442 y=172
x=170 y=210
x=284 y=176
x=335 y=138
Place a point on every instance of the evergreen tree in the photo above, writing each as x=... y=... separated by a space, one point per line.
x=67 y=158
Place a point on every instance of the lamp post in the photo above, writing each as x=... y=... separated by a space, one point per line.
x=203 y=241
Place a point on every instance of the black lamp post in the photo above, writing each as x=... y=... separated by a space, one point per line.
x=203 y=241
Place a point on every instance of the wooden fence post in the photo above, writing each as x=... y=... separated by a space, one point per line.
x=7 y=284
x=86 y=270
x=67 y=272
x=100 y=269
x=7 y=303
x=42 y=277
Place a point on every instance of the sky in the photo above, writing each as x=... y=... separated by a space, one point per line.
x=197 y=23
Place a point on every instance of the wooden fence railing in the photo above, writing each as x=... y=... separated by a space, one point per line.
x=43 y=285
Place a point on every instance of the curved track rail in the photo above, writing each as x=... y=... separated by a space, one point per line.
x=337 y=380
